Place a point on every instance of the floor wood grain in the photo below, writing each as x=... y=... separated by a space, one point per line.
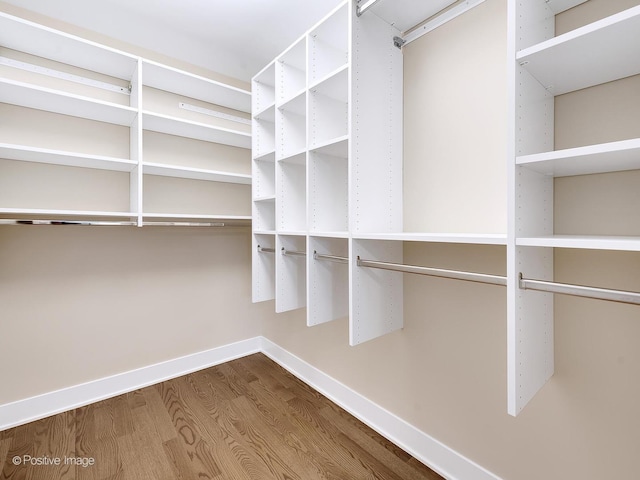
x=246 y=419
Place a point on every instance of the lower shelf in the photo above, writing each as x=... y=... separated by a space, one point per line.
x=631 y=244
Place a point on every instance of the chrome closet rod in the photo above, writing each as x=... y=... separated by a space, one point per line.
x=293 y=253
x=618 y=296
x=436 y=272
x=266 y=249
x=103 y=223
x=83 y=223
x=330 y=258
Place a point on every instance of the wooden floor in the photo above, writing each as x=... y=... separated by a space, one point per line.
x=246 y=419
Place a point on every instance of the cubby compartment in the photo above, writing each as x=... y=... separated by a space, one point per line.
x=291 y=127
x=328 y=297
x=264 y=267
x=291 y=72
x=329 y=109
x=375 y=305
x=179 y=197
x=264 y=215
x=291 y=193
x=291 y=272
x=264 y=180
x=264 y=135
x=328 y=188
x=27 y=186
x=329 y=45
x=264 y=89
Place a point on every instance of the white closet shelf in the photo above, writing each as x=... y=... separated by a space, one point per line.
x=296 y=104
x=469 y=238
x=264 y=232
x=269 y=156
x=334 y=86
x=613 y=50
x=59 y=157
x=184 y=83
x=267 y=114
x=235 y=219
x=336 y=147
x=336 y=234
x=194 y=173
x=265 y=199
x=199 y=131
x=559 y=6
x=591 y=242
x=40 y=98
x=296 y=158
x=406 y=14
x=65 y=213
x=601 y=158
x=292 y=233
x=28 y=37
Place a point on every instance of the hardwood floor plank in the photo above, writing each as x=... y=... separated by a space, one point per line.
x=248 y=419
x=236 y=459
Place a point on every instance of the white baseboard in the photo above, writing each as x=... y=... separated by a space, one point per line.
x=52 y=403
x=437 y=456
x=444 y=460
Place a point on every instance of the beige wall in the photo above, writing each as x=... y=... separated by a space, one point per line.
x=455 y=125
x=82 y=303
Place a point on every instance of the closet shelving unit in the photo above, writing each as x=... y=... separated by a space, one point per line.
x=336 y=136
x=544 y=66
x=66 y=76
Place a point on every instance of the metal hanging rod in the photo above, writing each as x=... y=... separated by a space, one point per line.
x=103 y=223
x=330 y=258
x=183 y=224
x=266 y=250
x=84 y=223
x=293 y=253
x=618 y=296
x=436 y=272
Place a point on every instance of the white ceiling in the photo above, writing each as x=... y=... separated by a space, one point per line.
x=233 y=37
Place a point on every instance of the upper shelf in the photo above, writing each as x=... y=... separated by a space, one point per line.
x=59 y=157
x=200 y=131
x=406 y=14
x=602 y=158
x=40 y=98
x=28 y=37
x=184 y=83
x=194 y=173
x=600 y=52
x=589 y=242
x=470 y=238
x=558 y=6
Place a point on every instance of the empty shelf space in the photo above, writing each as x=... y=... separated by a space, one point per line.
x=601 y=158
x=269 y=156
x=603 y=51
x=39 y=98
x=335 y=85
x=200 y=131
x=264 y=88
x=296 y=104
x=559 y=6
x=65 y=213
x=59 y=157
x=270 y=198
x=335 y=147
x=195 y=173
x=268 y=114
x=22 y=35
x=470 y=238
x=583 y=242
x=184 y=83
x=291 y=72
x=196 y=217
